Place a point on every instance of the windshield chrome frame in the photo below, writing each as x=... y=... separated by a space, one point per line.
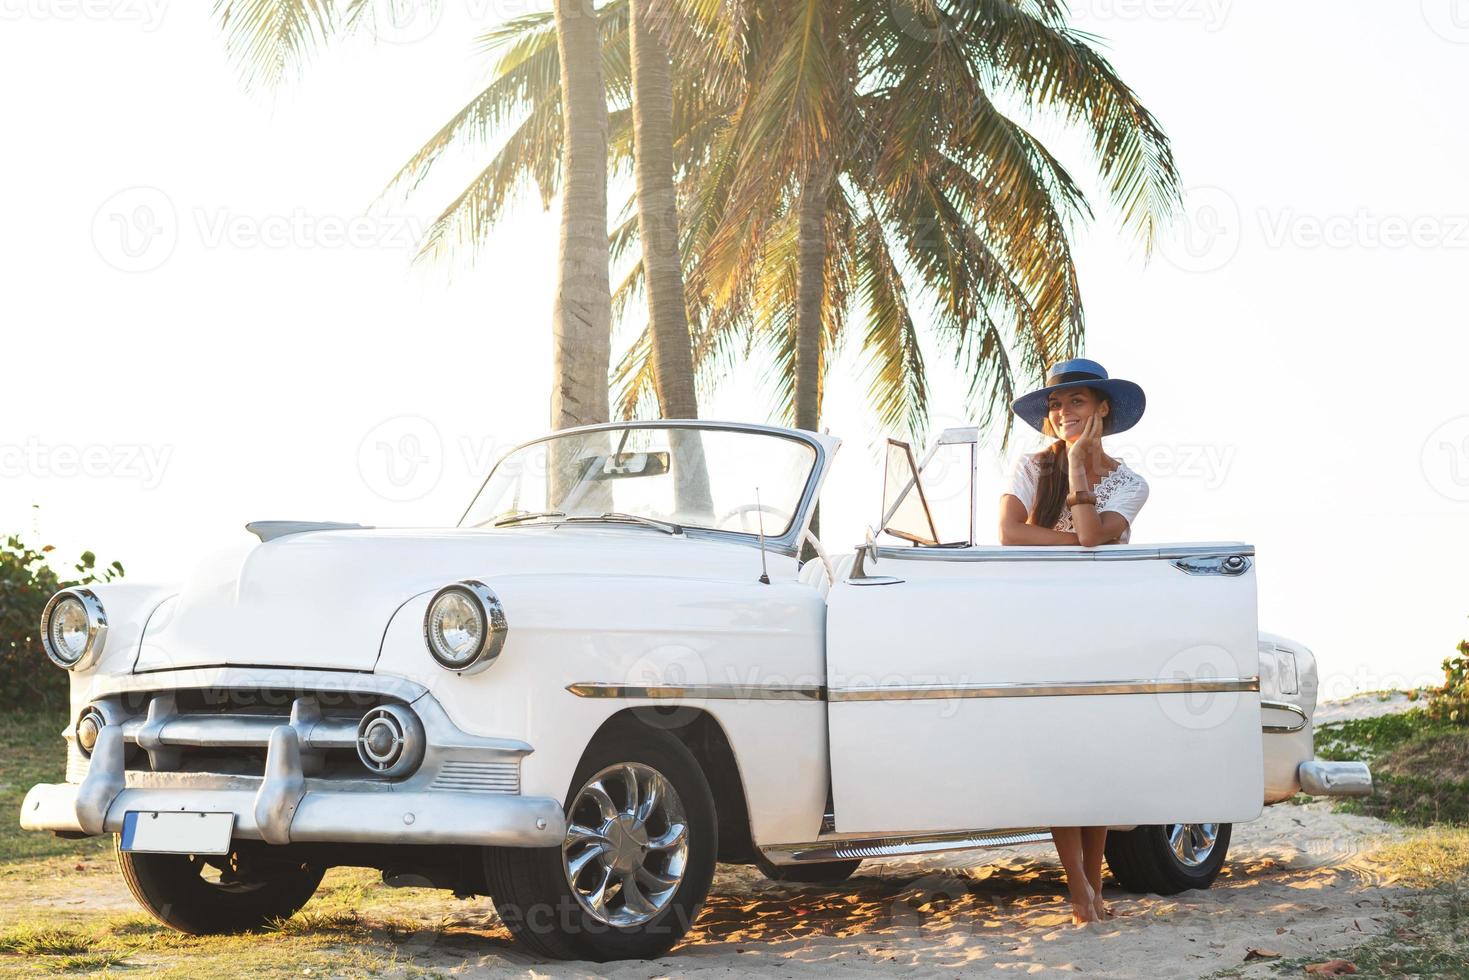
x=788 y=543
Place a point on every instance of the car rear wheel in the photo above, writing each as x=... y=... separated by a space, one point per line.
x=207 y=894
x=635 y=867
x=1165 y=859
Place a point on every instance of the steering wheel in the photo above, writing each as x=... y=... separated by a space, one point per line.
x=743 y=512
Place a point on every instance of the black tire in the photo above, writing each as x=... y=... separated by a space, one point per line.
x=249 y=890
x=1144 y=862
x=815 y=873
x=535 y=900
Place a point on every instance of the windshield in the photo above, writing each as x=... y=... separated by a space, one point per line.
x=730 y=480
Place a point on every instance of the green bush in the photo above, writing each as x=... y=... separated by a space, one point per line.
x=27 y=677
x=1451 y=702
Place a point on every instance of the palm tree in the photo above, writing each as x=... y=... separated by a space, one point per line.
x=582 y=317
x=856 y=156
x=871 y=154
x=657 y=207
x=832 y=155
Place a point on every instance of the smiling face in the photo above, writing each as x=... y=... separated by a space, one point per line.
x=1068 y=409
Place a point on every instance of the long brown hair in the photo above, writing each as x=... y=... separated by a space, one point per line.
x=1054 y=482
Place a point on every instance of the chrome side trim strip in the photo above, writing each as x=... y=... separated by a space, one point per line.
x=1284 y=729
x=1105 y=553
x=1221 y=685
x=877 y=847
x=706 y=692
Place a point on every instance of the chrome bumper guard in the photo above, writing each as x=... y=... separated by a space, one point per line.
x=1319 y=778
x=286 y=806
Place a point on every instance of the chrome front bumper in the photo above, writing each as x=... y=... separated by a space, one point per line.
x=285 y=806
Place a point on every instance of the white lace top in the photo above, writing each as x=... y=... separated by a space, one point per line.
x=1122 y=491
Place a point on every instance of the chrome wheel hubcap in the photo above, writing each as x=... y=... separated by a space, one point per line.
x=627 y=844
x=1192 y=843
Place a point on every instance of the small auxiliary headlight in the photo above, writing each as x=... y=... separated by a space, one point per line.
x=89 y=727
x=464 y=627
x=73 y=628
x=390 y=740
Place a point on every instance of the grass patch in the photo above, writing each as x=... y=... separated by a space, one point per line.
x=314 y=943
x=36 y=940
x=1420 y=766
x=88 y=962
x=32 y=751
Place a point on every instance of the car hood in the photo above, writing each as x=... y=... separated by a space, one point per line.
x=323 y=599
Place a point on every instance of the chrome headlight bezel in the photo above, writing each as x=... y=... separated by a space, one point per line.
x=96 y=628
x=492 y=632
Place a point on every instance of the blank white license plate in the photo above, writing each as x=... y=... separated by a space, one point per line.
x=177 y=832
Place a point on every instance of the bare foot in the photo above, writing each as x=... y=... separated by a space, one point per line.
x=1099 y=907
x=1083 y=904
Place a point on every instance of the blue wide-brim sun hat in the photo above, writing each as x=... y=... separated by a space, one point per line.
x=1128 y=400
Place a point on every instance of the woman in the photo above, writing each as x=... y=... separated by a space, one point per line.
x=1073 y=493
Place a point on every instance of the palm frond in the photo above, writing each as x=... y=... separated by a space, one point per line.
x=1055 y=68
x=899 y=385
x=271 y=40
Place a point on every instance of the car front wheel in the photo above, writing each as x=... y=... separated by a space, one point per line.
x=208 y=894
x=632 y=874
x=1165 y=859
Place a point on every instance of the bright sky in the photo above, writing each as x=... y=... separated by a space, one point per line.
x=204 y=324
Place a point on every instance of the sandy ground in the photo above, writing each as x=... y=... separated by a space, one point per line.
x=1301 y=881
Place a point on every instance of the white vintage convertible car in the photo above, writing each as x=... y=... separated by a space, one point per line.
x=616 y=671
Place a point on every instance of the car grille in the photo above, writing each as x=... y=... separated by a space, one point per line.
x=478 y=777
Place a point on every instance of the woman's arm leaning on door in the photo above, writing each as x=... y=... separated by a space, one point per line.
x=1014 y=529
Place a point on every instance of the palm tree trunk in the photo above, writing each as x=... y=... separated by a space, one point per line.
x=810 y=364
x=673 y=358
x=582 y=317
x=652 y=119
x=810 y=296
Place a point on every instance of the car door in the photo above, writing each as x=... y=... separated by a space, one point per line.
x=989 y=687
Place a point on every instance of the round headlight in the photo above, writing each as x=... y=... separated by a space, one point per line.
x=72 y=628
x=465 y=627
